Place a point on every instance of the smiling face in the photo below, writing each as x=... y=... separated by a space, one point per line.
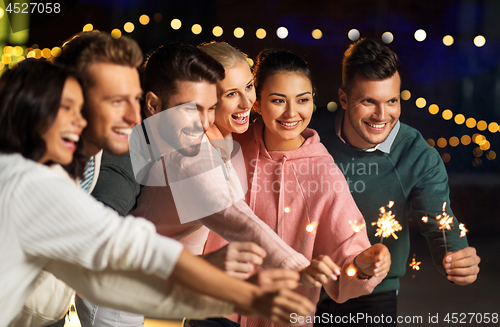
x=372 y=108
x=64 y=133
x=112 y=109
x=286 y=106
x=236 y=98
x=183 y=122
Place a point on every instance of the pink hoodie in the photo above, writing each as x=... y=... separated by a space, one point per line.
x=315 y=195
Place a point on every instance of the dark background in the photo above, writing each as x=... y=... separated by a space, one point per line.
x=461 y=77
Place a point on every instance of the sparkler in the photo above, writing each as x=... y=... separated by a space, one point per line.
x=445 y=221
x=356 y=229
x=415 y=265
x=463 y=230
x=386 y=223
x=311 y=227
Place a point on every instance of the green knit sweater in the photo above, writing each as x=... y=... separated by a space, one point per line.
x=414 y=177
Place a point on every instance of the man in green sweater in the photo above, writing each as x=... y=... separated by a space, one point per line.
x=385 y=160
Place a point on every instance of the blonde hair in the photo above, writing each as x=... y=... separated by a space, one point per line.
x=228 y=56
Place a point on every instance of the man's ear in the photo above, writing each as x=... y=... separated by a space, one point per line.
x=343 y=98
x=256 y=106
x=153 y=104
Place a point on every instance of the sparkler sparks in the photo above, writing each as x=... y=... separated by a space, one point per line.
x=386 y=224
x=415 y=265
x=351 y=271
x=463 y=230
x=357 y=227
x=311 y=227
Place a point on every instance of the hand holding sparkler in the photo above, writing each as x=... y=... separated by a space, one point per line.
x=462 y=266
x=374 y=261
x=321 y=270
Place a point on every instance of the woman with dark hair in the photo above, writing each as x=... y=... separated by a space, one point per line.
x=296 y=188
x=47 y=222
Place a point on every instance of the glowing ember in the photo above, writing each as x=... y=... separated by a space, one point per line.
x=311 y=227
x=391 y=203
x=386 y=224
x=414 y=264
x=357 y=227
x=425 y=219
x=463 y=230
x=351 y=272
x=287 y=209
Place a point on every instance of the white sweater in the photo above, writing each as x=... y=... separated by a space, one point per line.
x=45 y=218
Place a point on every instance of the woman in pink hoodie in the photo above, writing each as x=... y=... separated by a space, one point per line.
x=296 y=188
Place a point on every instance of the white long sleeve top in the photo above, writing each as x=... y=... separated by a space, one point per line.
x=45 y=218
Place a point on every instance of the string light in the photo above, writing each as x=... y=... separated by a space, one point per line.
x=317 y=34
x=175 y=24
x=353 y=35
x=387 y=37
x=420 y=35
x=217 y=31
x=260 y=33
x=144 y=19
x=448 y=40
x=282 y=32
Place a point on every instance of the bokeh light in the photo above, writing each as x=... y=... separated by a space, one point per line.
x=129 y=27
x=261 y=33
x=447 y=114
x=18 y=51
x=387 y=37
x=56 y=51
x=445 y=157
x=454 y=141
x=238 y=32
x=420 y=103
x=470 y=122
x=282 y=32
x=477 y=152
x=441 y=142
x=433 y=109
x=479 y=41
x=491 y=155
x=88 y=27
x=465 y=139
x=46 y=53
x=420 y=35
x=477 y=162
x=406 y=95
x=217 y=31
x=157 y=17
x=144 y=19
x=459 y=119
x=353 y=35
x=485 y=146
x=493 y=127
x=317 y=34
x=116 y=33
x=332 y=106
x=448 y=40
x=196 y=29
x=431 y=142
x=175 y=24
x=482 y=125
